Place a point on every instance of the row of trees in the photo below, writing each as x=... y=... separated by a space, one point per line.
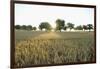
x=60 y=25
x=25 y=27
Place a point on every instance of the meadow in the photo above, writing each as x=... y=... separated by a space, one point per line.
x=41 y=48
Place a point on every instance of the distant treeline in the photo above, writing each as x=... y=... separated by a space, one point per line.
x=60 y=25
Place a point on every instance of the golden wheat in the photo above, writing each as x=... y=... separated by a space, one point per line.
x=37 y=51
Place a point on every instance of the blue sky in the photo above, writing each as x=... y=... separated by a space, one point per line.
x=26 y=14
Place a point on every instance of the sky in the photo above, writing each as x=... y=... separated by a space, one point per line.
x=26 y=14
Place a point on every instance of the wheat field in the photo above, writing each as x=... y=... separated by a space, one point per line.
x=37 y=48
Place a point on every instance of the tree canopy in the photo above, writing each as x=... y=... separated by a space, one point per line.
x=89 y=26
x=29 y=27
x=17 y=27
x=79 y=27
x=85 y=27
x=45 y=25
x=34 y=28
x=70 y=25
x=60 y=24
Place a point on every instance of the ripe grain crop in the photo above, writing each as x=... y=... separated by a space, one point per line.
x=46 y=48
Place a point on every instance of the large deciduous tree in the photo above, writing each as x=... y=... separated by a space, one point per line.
x=85 y=27
x=60 y=24
x=79 y=27
x=89 y=26
x=70 y=25
x=45 y=25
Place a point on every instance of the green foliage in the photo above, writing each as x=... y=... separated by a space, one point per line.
x=45 y=25
x=34 y=28
x=23 y=27
x=89 y=26
x=85 y=27
x=65 y=28
x=60 y=24
x=17 y=26
x=40 y=27
x=70 y=25
x=79 y=27
x=29 y=27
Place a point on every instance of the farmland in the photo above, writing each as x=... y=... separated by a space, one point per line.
x=37 y=47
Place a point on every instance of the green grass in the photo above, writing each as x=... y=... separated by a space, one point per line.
x=36 y=48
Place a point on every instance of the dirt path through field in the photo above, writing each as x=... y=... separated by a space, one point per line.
x=49 y=35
